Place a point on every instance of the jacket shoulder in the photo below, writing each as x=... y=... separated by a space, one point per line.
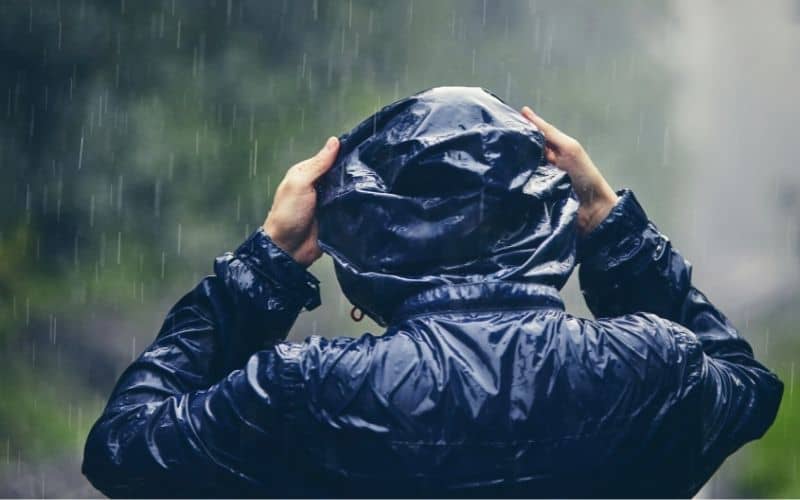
x=653 y=349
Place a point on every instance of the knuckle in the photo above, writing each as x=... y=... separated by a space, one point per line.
x=281 y=190
x=290 y=183
x=295 y=169
x=293 y=185
x=315 y=163
x=573 y=146
x=295 y=175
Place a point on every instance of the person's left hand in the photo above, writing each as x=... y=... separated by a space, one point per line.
x=595 y=195
x=291 y=223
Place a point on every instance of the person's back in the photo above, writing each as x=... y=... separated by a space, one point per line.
x=446 y=224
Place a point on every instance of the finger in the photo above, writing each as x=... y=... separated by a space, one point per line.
x=320 y=163
x=550 y=132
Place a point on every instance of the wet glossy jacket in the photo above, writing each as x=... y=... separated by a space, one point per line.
x=445 y=226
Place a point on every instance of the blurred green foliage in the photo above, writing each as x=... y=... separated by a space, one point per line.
x=771 y=466
x=140 y=139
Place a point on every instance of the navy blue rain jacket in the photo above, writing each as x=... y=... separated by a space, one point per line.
x=446 y=226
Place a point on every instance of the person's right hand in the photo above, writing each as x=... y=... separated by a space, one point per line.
x=595 y=196
x=291 y=223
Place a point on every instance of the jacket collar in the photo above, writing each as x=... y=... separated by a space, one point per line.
x=475 y=296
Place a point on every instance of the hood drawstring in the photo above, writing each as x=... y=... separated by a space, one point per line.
x=356 y=314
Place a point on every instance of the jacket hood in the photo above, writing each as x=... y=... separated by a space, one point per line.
x=445 y=187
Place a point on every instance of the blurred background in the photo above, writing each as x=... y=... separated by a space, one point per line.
x=140 y=139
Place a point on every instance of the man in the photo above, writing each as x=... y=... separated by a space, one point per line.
x=453 y=220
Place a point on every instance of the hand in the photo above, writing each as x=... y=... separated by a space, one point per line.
x=291 y=223
x=595 y=196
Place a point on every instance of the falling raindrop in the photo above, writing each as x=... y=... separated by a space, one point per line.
x=80 y=154
x=91 y=211
x=157 y=198
x=474 y=58
x=255 y=157
x=119 y=193
x=791 y=385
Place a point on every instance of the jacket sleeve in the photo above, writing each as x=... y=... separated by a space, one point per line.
x=628 y=266
x=186 y=414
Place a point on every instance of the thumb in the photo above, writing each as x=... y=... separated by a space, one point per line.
x=323 y=160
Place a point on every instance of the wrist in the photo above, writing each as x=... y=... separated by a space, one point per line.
x=303 y=249
x=276 y=238
x=591 y=214
x=265 y=257
x=626 y=218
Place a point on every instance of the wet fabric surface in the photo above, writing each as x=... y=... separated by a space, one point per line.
x=444 y=187
x=443 y=225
